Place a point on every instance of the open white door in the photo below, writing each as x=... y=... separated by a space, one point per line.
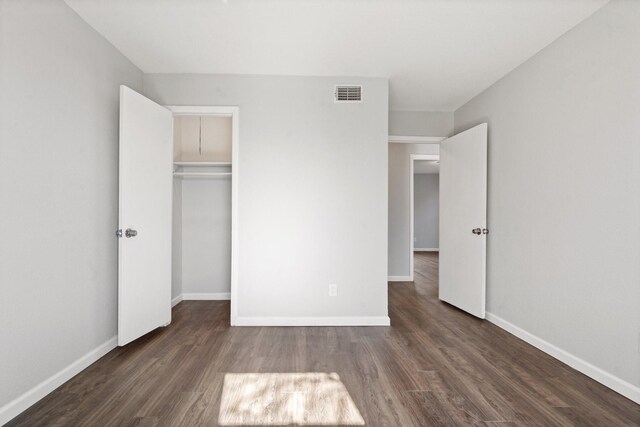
x=145 y=187
x=463 y=220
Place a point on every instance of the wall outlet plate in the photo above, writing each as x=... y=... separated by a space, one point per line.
x=333 y=290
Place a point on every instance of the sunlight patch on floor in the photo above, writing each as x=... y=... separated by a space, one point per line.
x=313 y=398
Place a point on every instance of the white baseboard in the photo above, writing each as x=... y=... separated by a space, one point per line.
x=313 y=321
x=400 y=279
x=426 y=249
x=616 y=384
x=177 y=300
x=207 y=296
x=23 y=402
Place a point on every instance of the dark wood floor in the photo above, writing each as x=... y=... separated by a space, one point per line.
x=434 y=366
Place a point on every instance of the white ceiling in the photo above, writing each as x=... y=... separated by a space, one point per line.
x=425 y=166
x=438 y=54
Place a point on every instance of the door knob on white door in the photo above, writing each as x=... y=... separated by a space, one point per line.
x=463 y=203
x=130 y=232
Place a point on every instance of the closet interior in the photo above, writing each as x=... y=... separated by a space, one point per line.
x=202 y=172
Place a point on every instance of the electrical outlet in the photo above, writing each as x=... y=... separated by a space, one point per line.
x=333 y=290
x=415 y=239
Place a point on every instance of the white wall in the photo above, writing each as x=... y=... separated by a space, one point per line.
x=420 y=123
x=400 y=205
x=426 y=207
x=313 y=191
x=59 y=86
x=564 y=191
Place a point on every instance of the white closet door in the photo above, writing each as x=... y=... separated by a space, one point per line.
x=145 y=198
x=463 y=219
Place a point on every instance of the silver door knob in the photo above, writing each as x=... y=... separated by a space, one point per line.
x=477 y=231
x=485 y=231
x=130 y=233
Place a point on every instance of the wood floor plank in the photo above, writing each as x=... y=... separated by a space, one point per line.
x=435 y=366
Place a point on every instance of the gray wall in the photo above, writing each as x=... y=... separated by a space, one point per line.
x=312 y=168
x=400 y=204
x=420 y=123
x=206 y=235
x=58 y=190
x=426 y=210
x=176 y=240
x=564 y=191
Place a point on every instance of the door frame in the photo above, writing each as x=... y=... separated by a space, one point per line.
x=413 y=158
x=234 y=113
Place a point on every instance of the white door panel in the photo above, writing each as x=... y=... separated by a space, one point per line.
x=463 y=209
x=145 y=198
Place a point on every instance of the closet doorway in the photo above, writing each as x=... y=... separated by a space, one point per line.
x=205 y=193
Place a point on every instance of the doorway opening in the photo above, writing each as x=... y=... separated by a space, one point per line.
x=205 y=171
x=461 y=161
x=424 y=207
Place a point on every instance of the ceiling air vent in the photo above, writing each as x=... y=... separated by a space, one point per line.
x=348 y=93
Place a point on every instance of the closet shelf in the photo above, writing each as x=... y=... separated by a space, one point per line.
x=201 y=174
x=202 y=163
